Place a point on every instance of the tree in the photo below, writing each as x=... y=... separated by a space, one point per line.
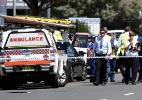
x=36 y=6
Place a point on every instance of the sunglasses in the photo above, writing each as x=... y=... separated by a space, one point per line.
x=131 y=35
x=102 y=32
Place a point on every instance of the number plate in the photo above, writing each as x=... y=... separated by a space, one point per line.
x=28 y=68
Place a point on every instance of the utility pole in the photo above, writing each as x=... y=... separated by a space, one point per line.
x=48 y=11
x=14 y=8
x=140 y=16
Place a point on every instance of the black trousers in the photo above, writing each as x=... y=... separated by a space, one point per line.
x=100 y=69
x=132 y=63
x=122 y=64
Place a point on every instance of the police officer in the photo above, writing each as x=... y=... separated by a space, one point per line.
x=132 y=48
x=71 y=38
x=102 y=47
x=91 y=61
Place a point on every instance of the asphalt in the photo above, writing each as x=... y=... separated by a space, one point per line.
x=83 y=90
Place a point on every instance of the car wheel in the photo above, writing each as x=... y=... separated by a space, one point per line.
x=71 y=74
x=63 y=78
x=83 y=75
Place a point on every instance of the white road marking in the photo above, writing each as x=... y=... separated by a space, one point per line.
x=104 y=99
x=28 y=92
x=129 y=94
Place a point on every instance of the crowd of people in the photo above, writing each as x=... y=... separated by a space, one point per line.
x=128 y=45
x=111 y=52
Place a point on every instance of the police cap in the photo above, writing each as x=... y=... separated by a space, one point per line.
x=93 y=36
x=71 y=34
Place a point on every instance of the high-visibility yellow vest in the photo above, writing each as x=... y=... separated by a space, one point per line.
x=123 y=38
x=114 y=53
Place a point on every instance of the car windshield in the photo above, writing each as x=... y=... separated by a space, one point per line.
x=80 y=41
x=117 y=34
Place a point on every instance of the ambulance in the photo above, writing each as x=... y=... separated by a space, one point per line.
x=30 y=54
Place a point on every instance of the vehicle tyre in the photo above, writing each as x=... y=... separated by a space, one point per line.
x=9 y=84
x=63 y=78
x=71 y=74
x=47 y=80
x=83 y=76
x=55 y=81
x=36 y=81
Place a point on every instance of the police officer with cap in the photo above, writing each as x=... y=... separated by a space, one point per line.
x=71 y=38
x=91 y=61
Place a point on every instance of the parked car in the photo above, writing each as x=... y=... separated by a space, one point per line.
x=117 y=33
x=76 y=68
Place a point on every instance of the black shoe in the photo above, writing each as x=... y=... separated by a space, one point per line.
x=92 y=79
x=96 y=83
x=104 y=83
x=126 y=82
x=123 y=80
x=112 y=80
x=133 y=83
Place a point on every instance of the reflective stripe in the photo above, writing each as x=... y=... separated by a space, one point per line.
x=27 y=62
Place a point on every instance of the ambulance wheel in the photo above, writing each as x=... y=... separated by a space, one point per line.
x=47 y=80
x=9 y=84
x=63 y=77
x=71 y=74
x=36 y=81
x=83 y=76
x=55 y=81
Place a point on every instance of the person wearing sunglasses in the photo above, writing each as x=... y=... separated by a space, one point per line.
x=102 y=47
x=131 y=47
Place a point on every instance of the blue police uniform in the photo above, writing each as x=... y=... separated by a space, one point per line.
x=91 y=63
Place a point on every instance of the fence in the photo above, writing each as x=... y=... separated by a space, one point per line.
x=118 y=24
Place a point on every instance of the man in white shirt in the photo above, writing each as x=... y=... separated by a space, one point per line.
x=102 y=47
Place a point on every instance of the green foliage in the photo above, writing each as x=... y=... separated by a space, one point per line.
x=81 y=27
x=109 y=10
x=37 y=6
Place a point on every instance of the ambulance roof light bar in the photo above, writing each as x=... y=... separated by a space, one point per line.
x=43 y=19
x=12 y=19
